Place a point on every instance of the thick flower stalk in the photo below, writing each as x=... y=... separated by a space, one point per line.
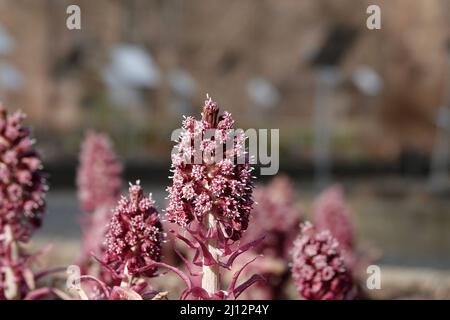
x=330 y=213
x=211 y=194
x=99 y=176
x=277 y=217
x=22 y=181
x=318 y=269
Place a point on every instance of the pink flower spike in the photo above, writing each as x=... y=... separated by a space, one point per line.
x=99 y=176
x=134 y=235
x=223 y=188
x=23 y=183
x=211 y=195
x=323 y=275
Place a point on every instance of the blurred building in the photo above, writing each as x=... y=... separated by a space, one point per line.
x=223 y=47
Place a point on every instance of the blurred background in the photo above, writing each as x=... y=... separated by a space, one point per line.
x=368 y=109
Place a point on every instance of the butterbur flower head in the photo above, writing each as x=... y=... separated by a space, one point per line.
x=22 y=180
x=207 y=182
x=330 y=213
x=318 y=269
x=99 y=174
x=134 y=236
x=210 y=200
x=99 y=180
x=276 y=216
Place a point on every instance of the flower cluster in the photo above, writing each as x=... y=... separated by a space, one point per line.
x=132 y=249
x=211 y=175
x=22 y=180
x=210 y=201
x=134 y=236
x=318 y=269
x=331 y=214
x=99 y=177
x=22 y=203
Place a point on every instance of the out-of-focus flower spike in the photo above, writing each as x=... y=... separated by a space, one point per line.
x=22 y=181
x=318 y=268
x=331 y=213
x=99 y=176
